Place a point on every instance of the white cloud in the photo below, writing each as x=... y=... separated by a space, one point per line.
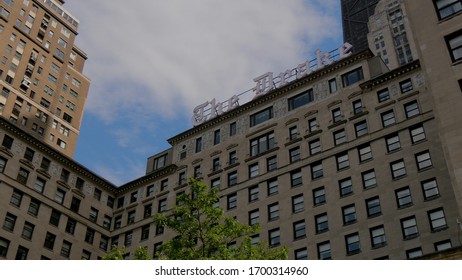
x=154 y=57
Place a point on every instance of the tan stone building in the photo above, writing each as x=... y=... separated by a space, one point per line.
x=351 y=161
x=42 y=86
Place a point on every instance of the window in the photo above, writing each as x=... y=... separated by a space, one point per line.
x=353 y=245
x=342 y=161
x=232 y=201
x=272 y=186
x=147 y=210
x=27 y=231
x=409 y=227
x=54 y=218
x=272 y=163
x=75 y=204
x=378 y=236
x=293 y=133
x=332 y=85
x=216 y=137
x=232 y=129
x=313 y=125
x=411 y=109
x=262 y=144
x=182 y=178
x=29 y=154
x=423 y=160
x=273 y=211
x=383 y=95
x=388 y=118
x=301 y=99
x=346 y=187
x=49 y=241
x=361 y=128
x=215 y=183
x=261 y=116
x=65 y=175
x=365 y=153
x=253 y=170
x=349 y=214
x=107 y=222
x=398 y=169
x=232 y=178
x=110 y=202
x=274 y=237
x=104 y=242
x=197 y=171
x=23 y=174
x=45 y=164
x=150 y=190
x=128 y=238
x=299 y=229
x=79 y=183
x=133 y=196
x=21 y=254
x=352 y=77
x=97 y=194
x=321 y=222
x=7 y=141
x=430 y=189
x=160 y=162
x=16 y=198
x=454 y=43
x=294 y=154
x=232 y=157
x=446 y=8
x=403 y=197
x=145 y=232
x=89 y=235
x=443 y=245
x=339 y=136
x=198 y=144
x=4 y=244
x=34 y=207
x=254 y=217
x=70 y=225
x=393 y=143
x=216 y=164
x=369 y=179
x=162 y=207
x=324 y=252
x=337 y=115
x=253 y=193
x=39 y=185
x=437 y=219
x=319 y=196
x=373 y=207
x=414 y=253
x=316 y=170
x=301 y=254
x=405 y=86
x=93 y=214
x=315 y=146
x=163 y=187
x=417 y=134
x=298 y=203
x=10 y=221
x=357 y=107
x=66 y=249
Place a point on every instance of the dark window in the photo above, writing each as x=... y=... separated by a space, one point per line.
x=403 y=197
x=66 y=249
x=346 y=187
x=353 y=245
x=365 y=153
x=316 y=170
x=361 y=128
x=417 y=134
x=29 y=154
x=349 y=214
x=253 y=193
x=7 y=141
x=383 y=95
x=34 y=207
x=332 y=85
x=377 y=236
x=342 y=161
x=216 y=164
x=133 y=196
x=357 y=107
x=352 y=77
x=272 y=186
x=10 y=221
x=16 y=198
x=373 y=207
x=398 y=169
x=89 y=235
x=294 y=154
x=232 y=201
x=301 y=99
x=21 y=254
x=388 y=118
x=273 y=211
x=321 y=222
x=160 y=162
x=301 y=254
x=216 y=137
x=233 y=157
x=70 y=225
x=293 y=133
x=272 y=163
x=393 y=143
x=254 y=217
x=254 y=170
x=336 y=115
x=406 y=86
x=97 y=194
x=411 y=109
x=54 y=218
x=4 y=244
x=145 y=232
x=23 y=175
x=274 y=237
x=131 y=215
x=437 y=219
x=261 y=116
x=454 y=43
x=313 y=125
x=232 y=178
x=198 y=144
x=324 y=252
x=150 y=190
x=298 y=203
x=409 y=227
x=339 y=136
x=75 y=204
x=49 y=241
x=232 y=129
x=299 y=229
x=262 y=144
x=296 y=178
x=319 y=196
x=423 y=160
x=315 y=146
x=446 y=8
x=430 y=189
x=27 y=231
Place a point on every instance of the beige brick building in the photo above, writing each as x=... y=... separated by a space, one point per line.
x=352 y=161
x=42 y=86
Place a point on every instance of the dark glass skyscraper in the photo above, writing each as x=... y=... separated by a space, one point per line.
x=355 y=15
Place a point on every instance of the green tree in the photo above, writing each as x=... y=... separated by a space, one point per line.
x=204 y=232
x=117 y=253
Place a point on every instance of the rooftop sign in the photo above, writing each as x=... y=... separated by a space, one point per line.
x=267 y=82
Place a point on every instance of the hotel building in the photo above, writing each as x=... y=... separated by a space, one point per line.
x=350 y=161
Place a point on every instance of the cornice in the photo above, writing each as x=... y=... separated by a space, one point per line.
x=372 y=83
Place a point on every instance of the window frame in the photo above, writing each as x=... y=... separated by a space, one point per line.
x=261 y=116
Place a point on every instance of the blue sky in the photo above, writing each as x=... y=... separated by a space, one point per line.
x=151 y=62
